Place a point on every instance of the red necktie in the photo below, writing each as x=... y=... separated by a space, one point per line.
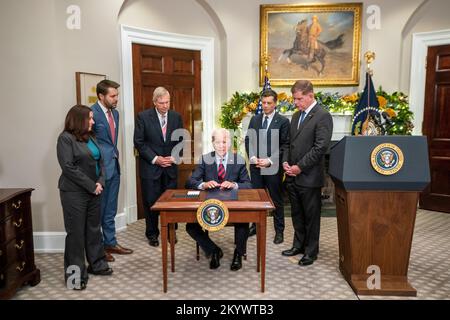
x=111 y=126
x=221 y=172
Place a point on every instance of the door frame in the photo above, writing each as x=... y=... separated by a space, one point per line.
x=130 y=35
x=420 y=43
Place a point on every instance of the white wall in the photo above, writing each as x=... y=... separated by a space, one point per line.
x=38 y=60
x=39 y=57
x=433 y=15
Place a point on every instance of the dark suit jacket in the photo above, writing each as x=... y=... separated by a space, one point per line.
x=104 y=139
x=148 y=139
x=206 y=170
x=308 y=146
x=79 y=168
x=279 y=123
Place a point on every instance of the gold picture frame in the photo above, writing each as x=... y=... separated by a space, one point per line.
x=286 y=35
x=87 y=87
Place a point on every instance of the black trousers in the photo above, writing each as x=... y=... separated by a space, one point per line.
x=205 y=242
x=84 y=238
x=305 y=209
x=152 y=189
x=274 y=184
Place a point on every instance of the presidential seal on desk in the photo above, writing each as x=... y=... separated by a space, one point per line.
x=212 y=215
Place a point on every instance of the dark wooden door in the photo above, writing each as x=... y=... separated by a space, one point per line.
x=177 y=70
x=436 y=126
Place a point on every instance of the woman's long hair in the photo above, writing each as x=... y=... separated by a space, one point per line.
x=77 y=122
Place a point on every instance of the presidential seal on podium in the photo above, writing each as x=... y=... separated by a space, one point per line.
x=387 y=158
x=212 y=215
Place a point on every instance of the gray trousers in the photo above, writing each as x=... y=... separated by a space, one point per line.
x=84 y=238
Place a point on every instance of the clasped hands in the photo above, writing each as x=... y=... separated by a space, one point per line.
x=291 y=171
x=164 y=161
x=260 y=162
x=213 y=184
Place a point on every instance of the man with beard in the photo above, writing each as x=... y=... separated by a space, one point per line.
x=106 y=129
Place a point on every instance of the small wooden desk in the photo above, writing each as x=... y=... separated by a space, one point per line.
x=252 y=206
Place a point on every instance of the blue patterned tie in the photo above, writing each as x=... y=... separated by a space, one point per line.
x=302 y=117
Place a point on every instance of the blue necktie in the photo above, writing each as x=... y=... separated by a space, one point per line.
x=266 y=119
x=302 y=117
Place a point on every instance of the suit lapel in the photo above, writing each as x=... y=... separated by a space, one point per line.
x=308 y=117
x=215 y=174
x=230 y=165
x=274 y=122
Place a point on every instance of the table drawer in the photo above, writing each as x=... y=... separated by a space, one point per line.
x=13 y=226
x=14 y=250
x=14 y=272
x=18 y=204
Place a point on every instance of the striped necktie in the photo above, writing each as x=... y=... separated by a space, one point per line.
x=221 y=172
x=164 y=126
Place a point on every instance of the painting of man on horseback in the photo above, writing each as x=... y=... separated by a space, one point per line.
x=320 y=43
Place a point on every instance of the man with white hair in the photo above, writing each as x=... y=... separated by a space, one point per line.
x=157 y=168
x=224 y=170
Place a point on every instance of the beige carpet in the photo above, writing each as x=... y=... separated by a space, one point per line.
x=139 y=276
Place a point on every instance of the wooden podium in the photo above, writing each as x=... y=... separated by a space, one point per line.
x=376 y=212
x=252 y=206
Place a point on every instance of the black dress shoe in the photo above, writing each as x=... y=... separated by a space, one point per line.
x=153 y=241
x=292 y=252
x=252 y=230
x=237 y=261
x=306 y=260
x=105 y=272
x=215 y=259
x=278 y=238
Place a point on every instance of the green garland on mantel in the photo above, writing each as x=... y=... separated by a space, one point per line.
x=395 y=105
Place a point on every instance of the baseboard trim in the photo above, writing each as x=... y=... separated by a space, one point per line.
x=54 y=242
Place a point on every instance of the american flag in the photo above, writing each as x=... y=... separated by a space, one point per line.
x=265 y=87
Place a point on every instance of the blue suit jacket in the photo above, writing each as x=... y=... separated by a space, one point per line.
x=103 y=135
x=206 y=170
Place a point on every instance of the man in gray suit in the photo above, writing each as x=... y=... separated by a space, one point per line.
x=310 y=136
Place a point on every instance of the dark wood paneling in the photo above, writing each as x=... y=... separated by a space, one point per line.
x=436 y=126
x=179 y=72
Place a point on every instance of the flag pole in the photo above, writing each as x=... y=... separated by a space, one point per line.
x=369 y=56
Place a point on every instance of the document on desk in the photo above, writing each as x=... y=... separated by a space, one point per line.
x=222 y=195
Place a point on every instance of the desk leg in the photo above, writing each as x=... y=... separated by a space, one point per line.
x=262 y=239
x=172 y=245
x=258 y=246
x=164 y=249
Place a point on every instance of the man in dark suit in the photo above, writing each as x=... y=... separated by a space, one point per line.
x=310 y=136
x=157 y=166
x=266 y=140
x=106 y=129
x=224 y=170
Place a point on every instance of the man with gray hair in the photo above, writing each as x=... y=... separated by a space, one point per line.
x=223 y=170
x=157 y=167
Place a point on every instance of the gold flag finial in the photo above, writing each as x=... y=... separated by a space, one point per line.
x=266 y=58
x=369 y=56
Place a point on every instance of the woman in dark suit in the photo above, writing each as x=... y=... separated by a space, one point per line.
x=80 y=184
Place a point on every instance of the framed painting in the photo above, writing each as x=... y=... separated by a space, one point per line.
x=87 y=87
x=320 y=43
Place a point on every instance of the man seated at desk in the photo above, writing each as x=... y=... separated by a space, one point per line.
x=224 y=170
